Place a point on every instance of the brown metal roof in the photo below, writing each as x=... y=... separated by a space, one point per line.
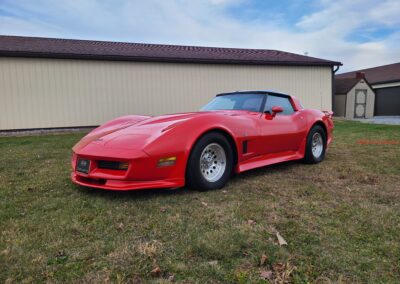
x=377 y=75
x=343 y=86
x=103 y=50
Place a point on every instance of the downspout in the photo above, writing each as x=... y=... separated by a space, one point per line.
x=334 y=70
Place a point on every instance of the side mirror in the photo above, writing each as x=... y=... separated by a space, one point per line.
x=276 y=109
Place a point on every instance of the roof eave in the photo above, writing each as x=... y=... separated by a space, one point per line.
x=385 y=82
x=160 y=59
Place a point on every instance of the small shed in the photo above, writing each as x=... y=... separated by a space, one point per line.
x=354 y=97
x=385 y=81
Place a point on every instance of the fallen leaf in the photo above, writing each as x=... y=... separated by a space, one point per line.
x=163 y=209
x=251 y=222
x=279 y=266
x=213 y=263
x=266 y=274
x=245 y=253
x=263 y=259
x=281 y=240
x=120 y=226
x=204 y=204
x=156 y=272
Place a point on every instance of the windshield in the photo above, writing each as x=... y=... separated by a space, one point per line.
x=250 y=102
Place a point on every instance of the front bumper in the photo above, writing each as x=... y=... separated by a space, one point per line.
x=142 y=172
x=124 y=185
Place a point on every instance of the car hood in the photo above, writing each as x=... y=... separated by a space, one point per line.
x=136 y=134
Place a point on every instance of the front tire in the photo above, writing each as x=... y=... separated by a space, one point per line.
x=316 y=145
x=210 y=163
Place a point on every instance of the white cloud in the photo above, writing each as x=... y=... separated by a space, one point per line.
x=386 y=12
x=326 y=33
x=15 y=26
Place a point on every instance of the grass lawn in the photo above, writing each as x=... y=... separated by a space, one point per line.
x=340 y=218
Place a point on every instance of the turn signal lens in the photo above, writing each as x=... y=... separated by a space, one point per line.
x=123 y=166
x=170 y=161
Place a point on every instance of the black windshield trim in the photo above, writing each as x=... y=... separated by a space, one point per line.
x=254 y=92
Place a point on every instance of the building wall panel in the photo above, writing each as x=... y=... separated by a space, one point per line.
x=340 y=105
x=41 y=93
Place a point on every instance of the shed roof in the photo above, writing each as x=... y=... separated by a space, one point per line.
x=343 y=86
x=377 y=75
x=17 y=46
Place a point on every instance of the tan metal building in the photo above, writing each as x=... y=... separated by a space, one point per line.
x=354 y=97
x=51 y=83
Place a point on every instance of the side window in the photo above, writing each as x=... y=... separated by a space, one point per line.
x=278 y=101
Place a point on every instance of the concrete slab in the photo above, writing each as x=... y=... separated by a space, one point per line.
x=392 y=120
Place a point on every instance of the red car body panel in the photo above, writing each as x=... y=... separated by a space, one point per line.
x=141 y=141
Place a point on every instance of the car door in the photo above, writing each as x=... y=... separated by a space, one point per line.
x=284 y=131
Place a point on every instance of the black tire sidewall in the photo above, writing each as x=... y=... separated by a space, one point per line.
x=309 y=157
x=194 y=178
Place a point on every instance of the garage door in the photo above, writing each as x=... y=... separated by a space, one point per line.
x=387 y=101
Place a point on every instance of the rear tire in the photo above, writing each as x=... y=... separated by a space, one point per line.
x=210 y=163
x=316 y=145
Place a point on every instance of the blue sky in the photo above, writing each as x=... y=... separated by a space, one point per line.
x=358 y=33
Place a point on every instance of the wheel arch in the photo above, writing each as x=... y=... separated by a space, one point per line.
x=322 y=124
x=223 y=132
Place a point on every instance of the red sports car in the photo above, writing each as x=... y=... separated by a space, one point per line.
x=235 y=132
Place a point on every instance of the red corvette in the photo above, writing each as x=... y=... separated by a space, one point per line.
x=235 y=132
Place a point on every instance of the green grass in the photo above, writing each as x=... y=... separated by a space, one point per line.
x=341 y=219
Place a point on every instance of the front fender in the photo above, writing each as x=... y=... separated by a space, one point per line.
x=179 y=140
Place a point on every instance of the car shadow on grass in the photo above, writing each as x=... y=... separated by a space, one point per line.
x=166 y=192
x=134 y=194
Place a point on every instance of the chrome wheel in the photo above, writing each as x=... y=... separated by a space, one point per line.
x=317 y=145
x=213 y=162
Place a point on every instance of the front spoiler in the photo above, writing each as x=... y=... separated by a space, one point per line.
x=125 y=185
